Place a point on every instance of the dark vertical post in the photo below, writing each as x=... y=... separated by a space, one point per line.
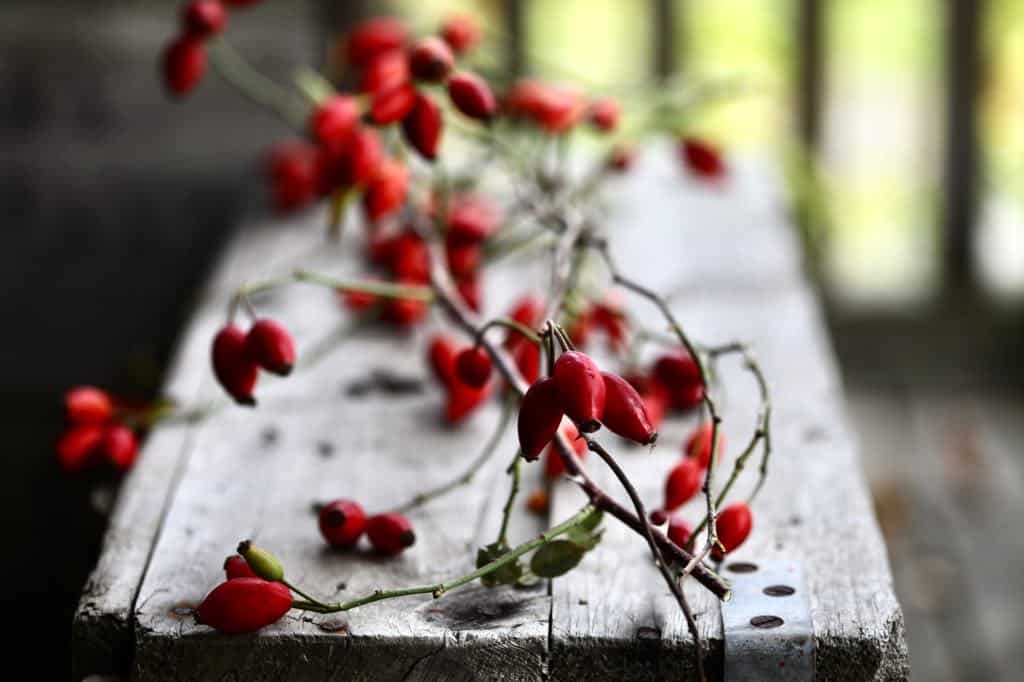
x=810 y=70
x=663 y=14
x=963 y=73
x=514 y=14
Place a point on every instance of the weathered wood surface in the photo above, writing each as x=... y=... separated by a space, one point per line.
x=729 y=261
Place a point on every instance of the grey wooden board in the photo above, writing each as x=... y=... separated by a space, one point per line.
x=731 y=264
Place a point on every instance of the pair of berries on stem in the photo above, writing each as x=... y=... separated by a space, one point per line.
x=184 y=58
x=94 y=429
x=238 y=356
x=342 y=522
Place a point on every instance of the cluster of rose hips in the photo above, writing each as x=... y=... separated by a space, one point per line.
x=238 y=356
x=184 y=59
x=94 y=432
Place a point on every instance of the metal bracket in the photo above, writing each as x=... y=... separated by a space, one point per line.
x=767 y=624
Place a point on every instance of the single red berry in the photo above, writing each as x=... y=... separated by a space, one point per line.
x=431 y=60
x=733 y=526
x=540 y=414
x=461 y=32
x=386 y=71
x=553 y=464
x=236 y=566
x=392 y=105
x=88 y=405
x=551 y=108
x=679 y=531
x=235 y=371
x=703 y=159
x=527 y=357
x=472 y=219
x=462 y=259
x=470 y=291
x=204 y=18
x=473 y=366
x=354 y=163
x=463 y=401
x=292 y=169
x=679 y=374
x=527 y=311
x=609 y=316
x=387 y=191
x=76 y=447
x=621 y=158
x=410 y=258
x=334 y=120
x=682 y=483
x=658 y=517
x=422 y=127
x=120 y=446
x=625 y=413
x=374 y=37
x=390 y=533
x=441 y=353
x=582 y=390
x=270 y=346
x=184 y=65
x=604 y=115
x=698 y=444
x=342 y=523
x=244 y=605
x=472 y=96
x=538 y=502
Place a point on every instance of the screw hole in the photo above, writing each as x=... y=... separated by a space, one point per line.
x=779 y=590
x=766 y=622
x=742 y=567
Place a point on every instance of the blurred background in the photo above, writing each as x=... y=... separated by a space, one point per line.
x=899 y=127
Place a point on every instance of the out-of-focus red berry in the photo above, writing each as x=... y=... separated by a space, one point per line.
x=621 y=158
x=703 y=159
x=88 y=405
x=292 y=169
x=604 y=115
x=553 y=109
x=76 y=447
x=204 y=18
x=422 y=127
x=472 y=96
x=472 y=219
x=461 y=32
x=184 y=63
x=120 y=446
x=553 y=464
x=385 y=71
x=373 y=37
x=387 y=190
x=334 y=120
x=431 y=60
x=393 y=105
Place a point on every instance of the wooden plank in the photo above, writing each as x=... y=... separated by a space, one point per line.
x=732 y=266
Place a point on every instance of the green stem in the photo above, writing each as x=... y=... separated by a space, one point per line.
x=382 y=289
x=467 y=476
x=508 y=324
x=301 y=593
x=438 y=589
x=506 y=515
x=254 y=85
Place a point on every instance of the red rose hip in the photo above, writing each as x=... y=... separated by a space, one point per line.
x=733 y=525
x=698 y=445
x=472 y=96
x=582 y=390
x=334 y=120
x=679 y=531
x=431 y=59
x=204 y=18
x=88 y=405
x=553 y=464
x=682 y=483
x=702 y=159
x=269 y=345
x=390 y=533
x=120 y=446
x=540 y=414
x=244 y=605
x=461 y=32
x=422 y=127
x=625 y=413
x=679 y=374
x=184 y=64
x=342 y=523
x=232 y=366
x=473 y=366
x=77 y=446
